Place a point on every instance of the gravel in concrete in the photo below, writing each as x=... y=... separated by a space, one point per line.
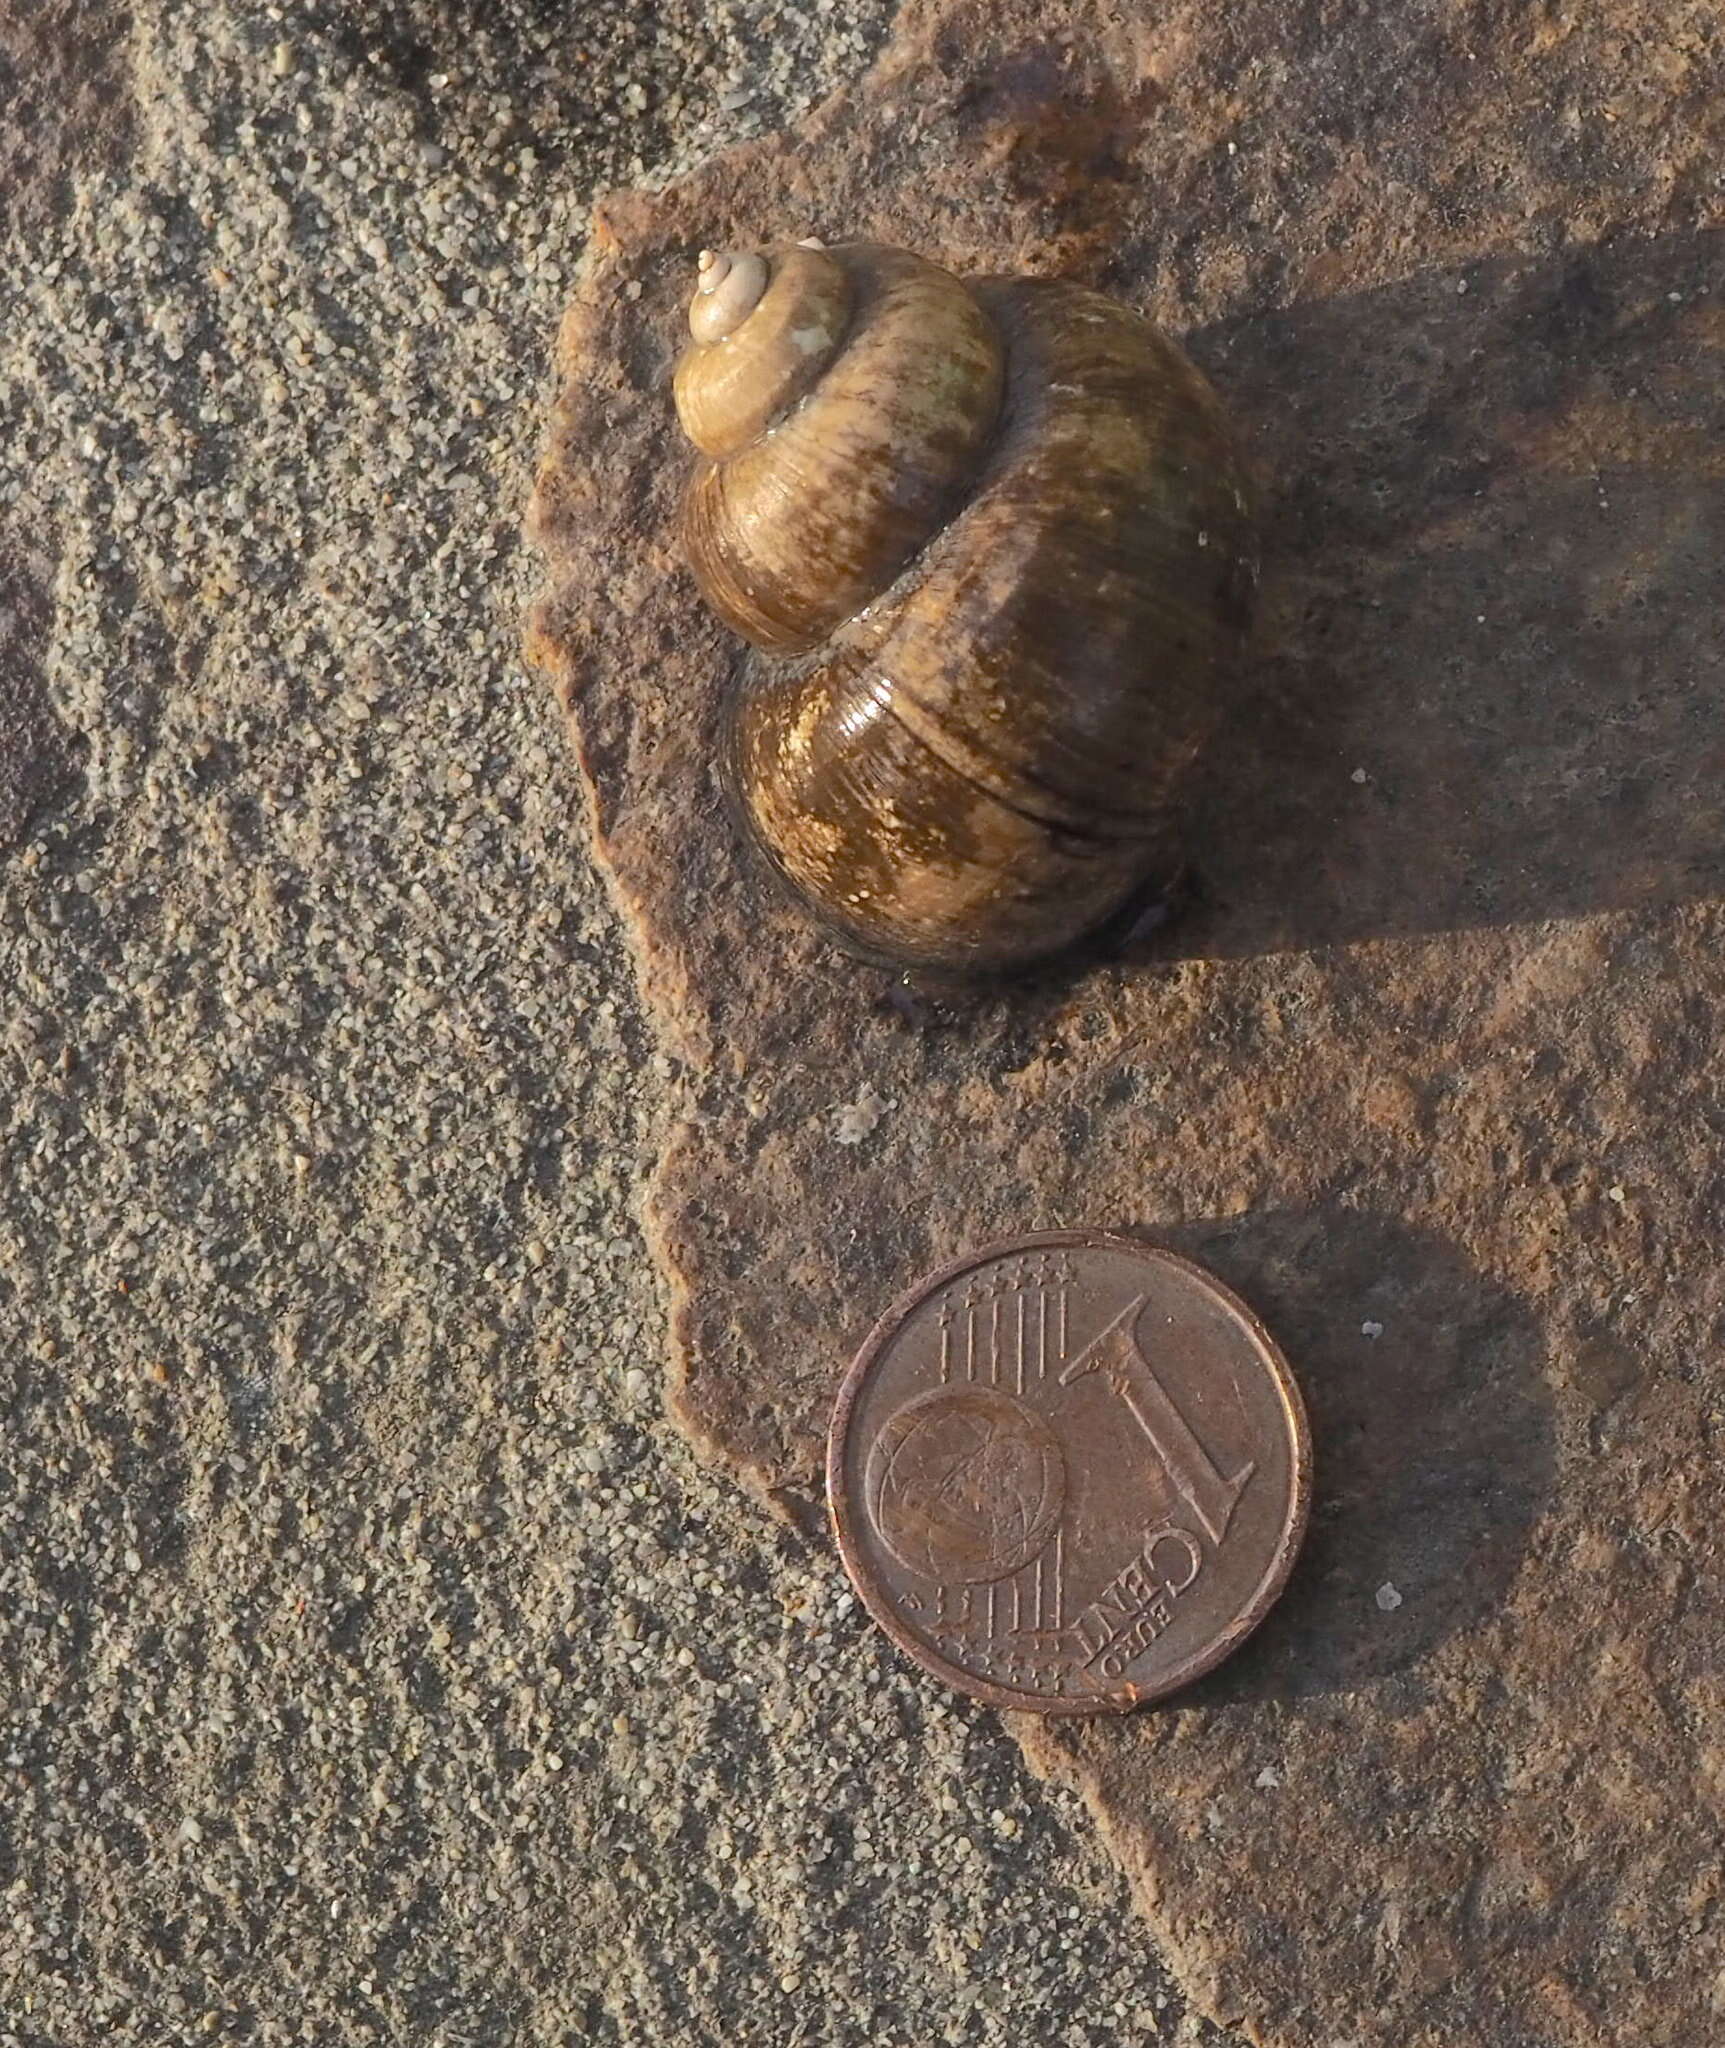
x=374 y=1664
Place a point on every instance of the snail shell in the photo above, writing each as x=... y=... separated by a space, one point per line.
x=997 y=542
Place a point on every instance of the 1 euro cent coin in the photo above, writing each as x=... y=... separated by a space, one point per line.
x=1069 y=1474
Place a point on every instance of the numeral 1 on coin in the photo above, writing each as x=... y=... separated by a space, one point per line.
x=1116 y=1351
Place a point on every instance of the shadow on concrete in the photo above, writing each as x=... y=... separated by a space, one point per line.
x=34 y=752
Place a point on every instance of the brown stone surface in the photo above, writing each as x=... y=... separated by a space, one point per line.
x=65 y=100
x=33 y=753
x=1426 y=1069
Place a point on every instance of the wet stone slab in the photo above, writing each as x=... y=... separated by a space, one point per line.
x=1425 y=1068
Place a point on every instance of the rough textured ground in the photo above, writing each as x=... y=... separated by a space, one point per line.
x=1428 y=1071
x=375 y=1665
x=64 y=85
x=33 y=747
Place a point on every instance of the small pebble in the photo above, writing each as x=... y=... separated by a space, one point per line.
x=857 y=1120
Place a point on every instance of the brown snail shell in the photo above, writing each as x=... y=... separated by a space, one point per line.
x=997 y=540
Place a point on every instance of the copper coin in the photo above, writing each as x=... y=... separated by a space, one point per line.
x=1069 y=1474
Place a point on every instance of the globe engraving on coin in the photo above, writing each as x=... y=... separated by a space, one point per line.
x=964 y=1484
x=1069 y=1473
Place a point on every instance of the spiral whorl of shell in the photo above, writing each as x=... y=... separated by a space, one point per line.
x=830 y=466
x=1004 y=525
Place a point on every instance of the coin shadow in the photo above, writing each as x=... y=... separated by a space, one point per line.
x=1433 y=1433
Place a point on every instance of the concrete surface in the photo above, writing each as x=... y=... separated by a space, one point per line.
x=375 y=1663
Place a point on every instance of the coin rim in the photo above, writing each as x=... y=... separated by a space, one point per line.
x=846 y=1518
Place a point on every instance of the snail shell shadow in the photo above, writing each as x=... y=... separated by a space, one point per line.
x=1487 y=685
